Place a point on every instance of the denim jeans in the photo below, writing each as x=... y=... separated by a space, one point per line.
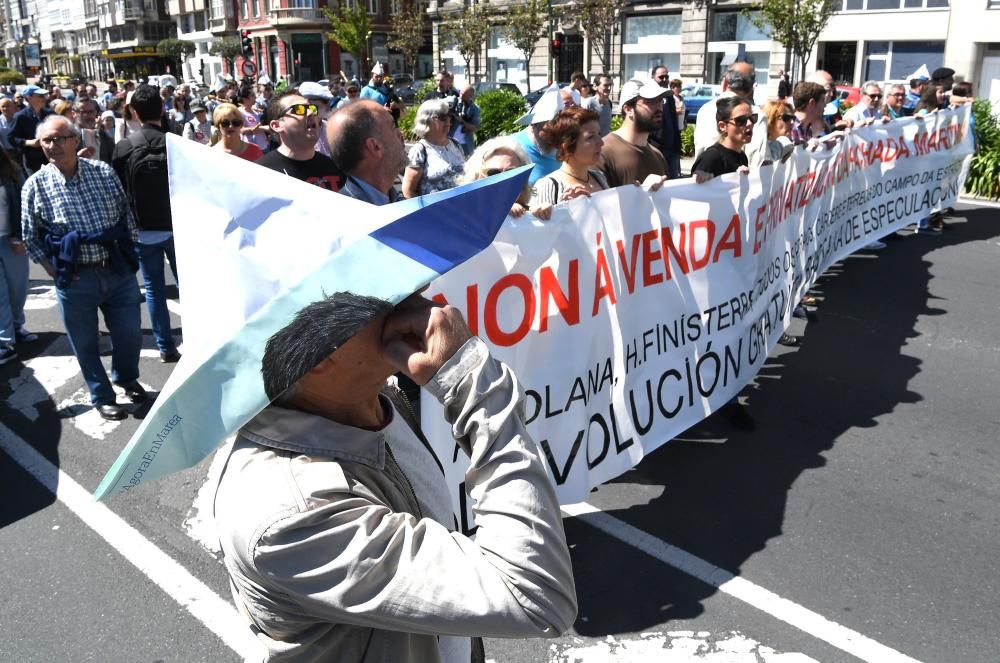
x=151 y=257
x=13 y=291
x=117 y=297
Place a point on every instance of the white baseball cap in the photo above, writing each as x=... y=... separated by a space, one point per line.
x=633 y=89
x=311 y=90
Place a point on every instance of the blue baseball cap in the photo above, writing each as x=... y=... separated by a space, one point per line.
x=32 y=89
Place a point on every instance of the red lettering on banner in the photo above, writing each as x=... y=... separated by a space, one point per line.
x=667 y=247
x=522 y=284
x=731 y=240
x=709 y=228
x=568 y=306
x=649 y=254
x=603 y=286
x=629 y=272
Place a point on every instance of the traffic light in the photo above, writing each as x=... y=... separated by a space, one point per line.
x=246 y=43
x=555 y=43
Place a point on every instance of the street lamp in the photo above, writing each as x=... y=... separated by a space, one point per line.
x=368 y=49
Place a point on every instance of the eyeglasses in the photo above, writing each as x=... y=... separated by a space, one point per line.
x=745 y=119
x=231 y=124
x=663 y=77
x=490 y=172
x=300 y=110
x=874 y=97
x=898 y=94
x=788 y=117
x=56 y=140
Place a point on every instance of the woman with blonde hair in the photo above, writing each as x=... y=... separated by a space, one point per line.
x=498 y=155
x=227 y=122
x=779 y=115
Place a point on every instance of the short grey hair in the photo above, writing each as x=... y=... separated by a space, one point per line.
x=427 y=110
x=897 y=86
x=50 y=120
x=868 y=84
x=488 y=150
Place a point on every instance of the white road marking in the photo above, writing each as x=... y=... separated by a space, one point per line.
x=200 y=523
x=41 y=297
x=217 y=615
x=791 y=613
x=672 y=647
x=978 y=202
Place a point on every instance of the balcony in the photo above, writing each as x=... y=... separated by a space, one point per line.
x=287 y=16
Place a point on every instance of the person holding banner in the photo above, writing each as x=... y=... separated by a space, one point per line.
x=333 y=513
x=627 y=156
x=498 y=155
x=576 y=133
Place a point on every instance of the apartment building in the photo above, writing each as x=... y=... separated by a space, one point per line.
x=883 y=40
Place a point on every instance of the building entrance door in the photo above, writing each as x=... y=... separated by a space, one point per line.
x=570 y=56
x=990 y=85
x=839 y=58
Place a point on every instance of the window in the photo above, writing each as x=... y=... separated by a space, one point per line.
x=883 y=5
x=640 y=28
x=373 y=7
x=245 y=9
x=199 y=21
x=734 y=26
x=256 y=8
x=309 y=4
x=895 y=61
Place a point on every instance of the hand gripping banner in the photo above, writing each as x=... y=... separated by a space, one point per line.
x=254 y=247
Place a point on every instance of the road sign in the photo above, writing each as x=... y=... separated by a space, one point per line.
x=248 y=68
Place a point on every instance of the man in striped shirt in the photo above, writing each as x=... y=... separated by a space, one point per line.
x=77 y=224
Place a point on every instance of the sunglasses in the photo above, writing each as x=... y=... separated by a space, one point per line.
x=745 y=119
x=788 y=117
x=56 y=140
x=490 y=172
x=300 y=110
x=874 y=97
x=231 y=124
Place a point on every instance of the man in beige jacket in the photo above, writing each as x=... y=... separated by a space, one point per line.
x=333 y=512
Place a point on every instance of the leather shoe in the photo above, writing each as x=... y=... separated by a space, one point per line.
x=112 y=411
x=788 y=341
x=171 y=357
x=134 y=392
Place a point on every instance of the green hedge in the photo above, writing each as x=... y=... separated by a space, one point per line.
x=11 y=77
x=687 y=141
x=499 y=110
x=984 y=170
x=406 y=122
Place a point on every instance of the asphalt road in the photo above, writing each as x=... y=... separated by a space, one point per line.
x=864 y=507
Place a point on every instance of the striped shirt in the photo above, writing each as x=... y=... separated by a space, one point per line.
x=91 y=200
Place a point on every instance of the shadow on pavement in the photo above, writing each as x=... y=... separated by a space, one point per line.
x=724 y=502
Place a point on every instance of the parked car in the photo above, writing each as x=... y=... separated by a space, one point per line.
x=533 y=96
x=489 y=86
x=404 y=87
x=849 y=94
x=696 y=96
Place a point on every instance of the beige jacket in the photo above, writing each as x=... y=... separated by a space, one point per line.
x=331 y=559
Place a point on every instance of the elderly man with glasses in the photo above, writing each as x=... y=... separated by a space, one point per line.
x=895 y=102
x=868 y=108
x=77 y=224
x=296 y=121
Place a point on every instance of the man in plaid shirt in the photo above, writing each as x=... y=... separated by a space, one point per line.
x=76 y=223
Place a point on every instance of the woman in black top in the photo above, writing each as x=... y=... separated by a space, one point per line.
x=735 y=120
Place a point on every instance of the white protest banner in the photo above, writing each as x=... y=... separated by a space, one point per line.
x=631 y=316
x=255 y=247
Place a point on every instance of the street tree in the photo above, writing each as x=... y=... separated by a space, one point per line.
x=795 y=24
x=597 y=20
x=408 y=34
x=524 y=24
x=468 y=31
x=227 y=49
x=176 y=49
x=351 y=29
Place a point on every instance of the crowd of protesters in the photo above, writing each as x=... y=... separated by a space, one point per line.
x=85 y=194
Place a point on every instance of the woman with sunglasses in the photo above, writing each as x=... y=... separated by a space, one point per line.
x=498 y=155
x=228 y=123
x=734 y=119
x=436 y=161
x=180 y=114
x=780 y=116
x=576 y=134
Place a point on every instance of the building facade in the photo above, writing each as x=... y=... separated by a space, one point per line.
x=882 y=40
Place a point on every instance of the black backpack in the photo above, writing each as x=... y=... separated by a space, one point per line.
x=147 y=182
